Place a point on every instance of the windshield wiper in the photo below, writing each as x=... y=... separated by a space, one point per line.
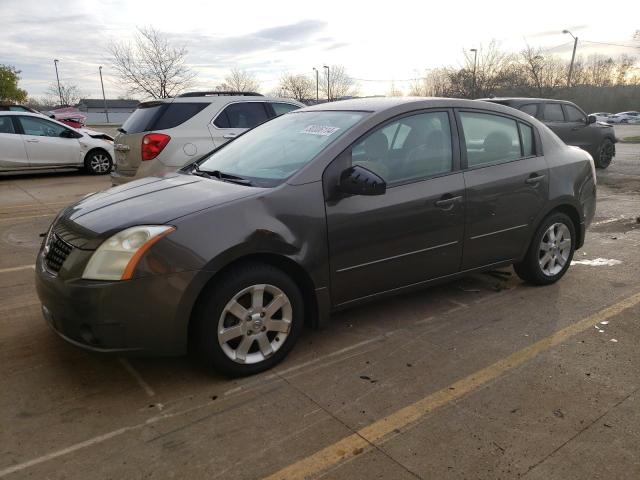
x=225 y=177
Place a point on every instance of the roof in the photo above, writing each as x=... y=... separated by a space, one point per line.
x=523 y=100
x=115 y=103
x=378 y=104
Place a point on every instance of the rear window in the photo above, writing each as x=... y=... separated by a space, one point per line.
x=161 y=116
x=242 y=115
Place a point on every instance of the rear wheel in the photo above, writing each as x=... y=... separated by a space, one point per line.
x=249 y=321
x=605 y=153
x=98 y=162
x=550 y=252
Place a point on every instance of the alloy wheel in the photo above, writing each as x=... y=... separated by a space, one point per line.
x=100 y=163
x=555 y=249
x=255 y=323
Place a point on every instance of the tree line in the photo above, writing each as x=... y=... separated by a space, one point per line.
x=151 y=66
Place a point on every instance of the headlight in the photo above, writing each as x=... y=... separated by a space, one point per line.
x=117 y=257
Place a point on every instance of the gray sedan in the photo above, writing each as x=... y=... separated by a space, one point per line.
x=320 y=209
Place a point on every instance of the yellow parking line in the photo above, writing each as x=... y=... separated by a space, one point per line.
x=27 y=216
x=17 y=269
x=366 y=437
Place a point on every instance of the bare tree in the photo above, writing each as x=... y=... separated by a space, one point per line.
x=239 y=81
x=151 y=66
x=340 y=84
x=394 y=91
x=435 y=83
x=69 y=92
x=541 y=74
x=298 y=87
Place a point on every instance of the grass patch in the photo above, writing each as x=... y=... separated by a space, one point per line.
x=635 y=139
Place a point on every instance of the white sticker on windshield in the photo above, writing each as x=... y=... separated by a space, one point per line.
x=321 y=130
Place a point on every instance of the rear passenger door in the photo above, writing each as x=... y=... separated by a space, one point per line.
x=507 y=184
x=236 y=118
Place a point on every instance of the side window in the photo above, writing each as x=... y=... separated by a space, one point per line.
x=408 y=149
x=574 y=115
x=530 y=109
x=528 y=143
x=489 y=139
x=553 y=112
x=175 y=114
x=6 y=125
x=40 y=127
x=242 y=115
x=282 y=108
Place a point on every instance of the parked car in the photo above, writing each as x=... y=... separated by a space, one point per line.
x=602 y=116
x=29 y=141
x=69 y=116
x=317 y=210
x=625 y=117
x=163 y=135
x=571 y=124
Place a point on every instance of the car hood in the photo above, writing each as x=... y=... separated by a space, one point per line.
x=148 y=201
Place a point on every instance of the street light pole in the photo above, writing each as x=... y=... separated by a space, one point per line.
x=328 y=85
x=55 y=63
x=573 y=55
x=475 y=61
x=106 y=112
x=317 y=88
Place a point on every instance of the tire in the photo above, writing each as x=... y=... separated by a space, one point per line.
x=605 y=154
x=231 y=335
x=534 y=269
x=98 y=162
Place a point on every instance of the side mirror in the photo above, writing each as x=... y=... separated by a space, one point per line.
x=358 y=180
x=591 y=119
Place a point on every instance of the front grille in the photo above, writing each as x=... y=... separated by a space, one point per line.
x=57 y=252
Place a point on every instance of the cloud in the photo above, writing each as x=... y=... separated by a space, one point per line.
x=547 y=33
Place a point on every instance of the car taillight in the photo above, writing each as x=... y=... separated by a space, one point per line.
x=153 y=144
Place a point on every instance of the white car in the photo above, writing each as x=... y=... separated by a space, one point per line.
x=602 y=116
x=29 y=141
x=625 y=117
x=161 y=136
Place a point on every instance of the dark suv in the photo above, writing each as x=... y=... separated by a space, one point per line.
x=570 y=123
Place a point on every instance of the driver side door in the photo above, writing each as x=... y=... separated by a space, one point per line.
x=44 y=145
x=413 y=232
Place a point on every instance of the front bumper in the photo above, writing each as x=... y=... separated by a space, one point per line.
x=148 y=315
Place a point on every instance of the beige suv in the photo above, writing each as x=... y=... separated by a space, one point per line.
x=161 y=136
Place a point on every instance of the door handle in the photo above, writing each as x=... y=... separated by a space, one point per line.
x=32 y=140
x=447 y=202
x=230 y=135
x=534 y=180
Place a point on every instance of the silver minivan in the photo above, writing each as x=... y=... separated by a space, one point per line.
x=163 y=135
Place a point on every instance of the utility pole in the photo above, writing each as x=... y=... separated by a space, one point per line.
x=317 y=88
x=573 y=55
x=328 y=85
x=106 y=112
x=55 y=63
x=475 y=62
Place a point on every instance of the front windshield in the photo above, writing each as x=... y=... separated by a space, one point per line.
x=277 y=149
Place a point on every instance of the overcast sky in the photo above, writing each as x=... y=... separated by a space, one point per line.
x=396 y=40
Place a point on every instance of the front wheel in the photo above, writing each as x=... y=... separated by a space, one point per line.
x=98 y=162
x=605 y=153
x=550 y=252
x=249 y=320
